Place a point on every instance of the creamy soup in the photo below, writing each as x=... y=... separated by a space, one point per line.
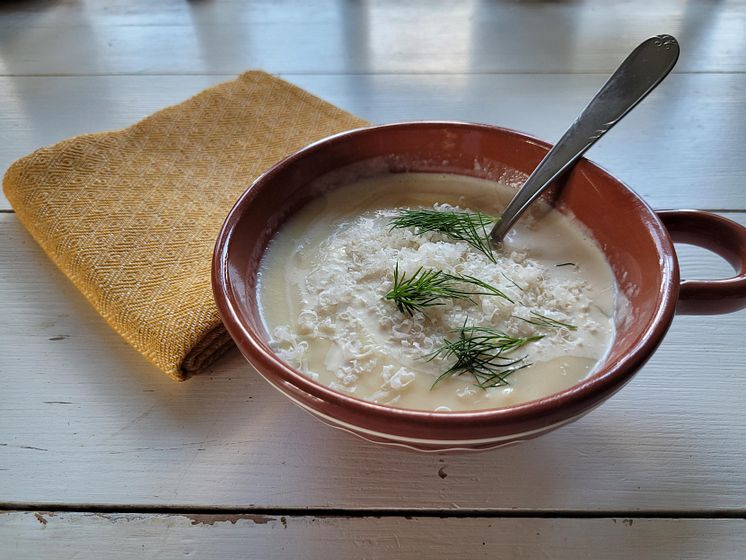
x=324 y=281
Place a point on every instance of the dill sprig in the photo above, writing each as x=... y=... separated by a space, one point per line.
x=461 y=226
x=512 y=282
x=544 y=321
x=482 y=351
x=426 y=288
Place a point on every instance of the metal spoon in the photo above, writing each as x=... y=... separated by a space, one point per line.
x=638 y=75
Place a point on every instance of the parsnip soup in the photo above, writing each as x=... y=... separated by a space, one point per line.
x=388 y=290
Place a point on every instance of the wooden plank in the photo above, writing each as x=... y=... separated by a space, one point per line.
x=680 y=148
x=173 y=37
x=33 y=535
x=85 y=420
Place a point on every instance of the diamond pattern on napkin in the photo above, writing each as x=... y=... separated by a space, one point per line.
x=131 y=216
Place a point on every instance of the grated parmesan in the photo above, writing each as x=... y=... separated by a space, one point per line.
x=326 y=273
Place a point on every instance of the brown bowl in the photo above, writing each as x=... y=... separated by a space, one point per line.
x=636 y=241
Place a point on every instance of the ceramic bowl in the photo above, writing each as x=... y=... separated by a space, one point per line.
x=636 y=241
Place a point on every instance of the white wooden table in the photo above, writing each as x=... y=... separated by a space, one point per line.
x=102 y=454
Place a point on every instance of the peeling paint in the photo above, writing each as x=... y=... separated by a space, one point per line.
x=211 y=519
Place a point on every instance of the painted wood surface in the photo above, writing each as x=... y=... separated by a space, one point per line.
x=682 y=147
x=175 y=37
x=87 y=425
x=86 y=420
x=88 y=536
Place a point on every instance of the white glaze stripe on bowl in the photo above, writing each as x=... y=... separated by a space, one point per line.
x=404 y=440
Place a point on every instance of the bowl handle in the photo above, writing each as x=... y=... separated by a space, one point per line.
x=722 y=236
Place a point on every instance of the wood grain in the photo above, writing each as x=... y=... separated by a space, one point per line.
x=680 y=148
x=85 y=420
x=174 y=37
x=33 y=535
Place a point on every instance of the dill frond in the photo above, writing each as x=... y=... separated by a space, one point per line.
x=481 y=351
x=516 y=286
x=461 y=226
x=544 y=321
x=426 y=288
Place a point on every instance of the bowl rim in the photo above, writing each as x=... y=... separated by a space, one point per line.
x=577 y=397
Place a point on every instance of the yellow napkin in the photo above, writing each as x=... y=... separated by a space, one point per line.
x=131 y=216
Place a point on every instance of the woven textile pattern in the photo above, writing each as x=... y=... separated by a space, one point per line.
x=131 y=216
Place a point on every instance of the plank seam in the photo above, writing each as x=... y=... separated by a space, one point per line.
x=739 y=513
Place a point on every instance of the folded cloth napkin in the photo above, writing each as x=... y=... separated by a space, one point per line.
x=131 y=216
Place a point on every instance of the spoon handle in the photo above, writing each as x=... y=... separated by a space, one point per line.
x=637 y=76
